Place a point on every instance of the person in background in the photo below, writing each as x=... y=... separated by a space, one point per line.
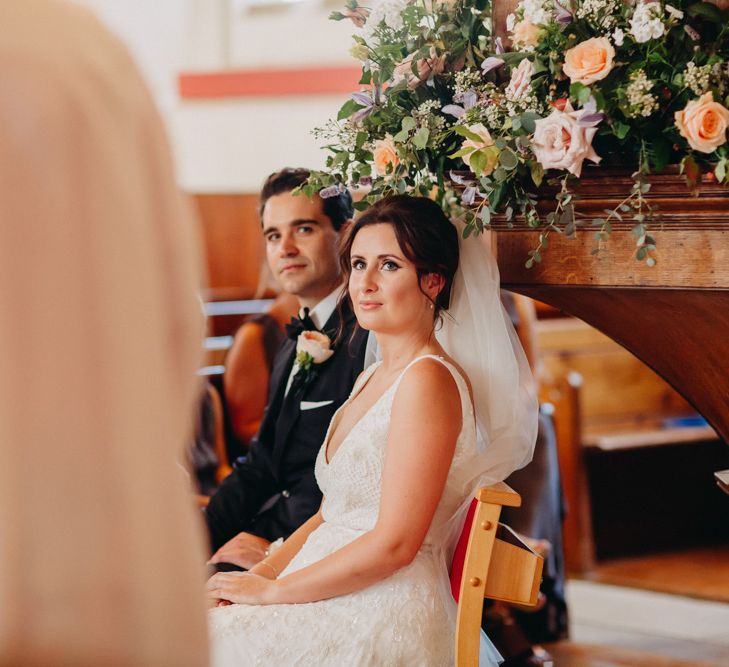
x=248 y=367
x=272 y=490
x=101 y=547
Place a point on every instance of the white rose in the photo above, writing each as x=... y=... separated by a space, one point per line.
x=316 y=344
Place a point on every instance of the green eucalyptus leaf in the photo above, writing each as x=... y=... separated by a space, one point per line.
x=537 y=172
x=465 y=132
x=420 y=138
x=508 y=160
x=528 y=121
x=347 y=109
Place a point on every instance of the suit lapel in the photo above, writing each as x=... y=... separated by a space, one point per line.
x=291 y=405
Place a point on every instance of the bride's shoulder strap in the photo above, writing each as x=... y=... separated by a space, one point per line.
x=461 y=381
x=363 y=377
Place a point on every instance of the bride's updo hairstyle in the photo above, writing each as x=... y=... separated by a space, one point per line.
x=425 y=236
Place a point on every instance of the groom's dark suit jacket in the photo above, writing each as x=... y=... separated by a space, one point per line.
x=272 y=490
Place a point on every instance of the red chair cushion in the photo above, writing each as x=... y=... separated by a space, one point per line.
x=459 y=555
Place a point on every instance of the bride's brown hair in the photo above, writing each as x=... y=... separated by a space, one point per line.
x=425 y=235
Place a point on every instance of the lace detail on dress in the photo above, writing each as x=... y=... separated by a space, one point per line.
x=399 y=621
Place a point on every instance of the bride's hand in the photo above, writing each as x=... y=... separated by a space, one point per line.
x=241 y=588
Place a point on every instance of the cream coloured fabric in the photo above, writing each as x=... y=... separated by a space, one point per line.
x=100 y=547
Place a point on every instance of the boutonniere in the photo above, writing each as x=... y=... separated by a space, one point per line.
x=312 y=348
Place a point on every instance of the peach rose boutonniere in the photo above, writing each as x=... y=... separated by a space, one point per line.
x=703 y=123
x=589 y=61
x=312 y=348
x=561 y=141
x=385 y=155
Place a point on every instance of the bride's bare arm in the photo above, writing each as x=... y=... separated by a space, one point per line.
x=424 y=426
x=271 y=566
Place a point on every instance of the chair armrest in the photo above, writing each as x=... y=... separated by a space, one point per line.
x=499 y=494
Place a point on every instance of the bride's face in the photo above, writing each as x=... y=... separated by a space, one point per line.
x=383 y=284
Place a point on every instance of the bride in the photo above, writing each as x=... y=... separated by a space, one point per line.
x=364 y=581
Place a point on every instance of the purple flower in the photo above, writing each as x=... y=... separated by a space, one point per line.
x=332 y=191
x=459 y=179
x=499 y=46
x=561 y=13
x=590 y=117
x=453 y=110
x=469 y=195
x=491 y=63
x=469 y=99
x=368 y=103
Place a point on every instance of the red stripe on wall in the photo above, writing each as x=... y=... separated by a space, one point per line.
x=269 y=83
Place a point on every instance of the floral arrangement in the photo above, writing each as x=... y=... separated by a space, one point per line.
x=479 y=115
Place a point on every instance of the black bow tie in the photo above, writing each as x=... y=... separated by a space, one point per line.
x=299 y=324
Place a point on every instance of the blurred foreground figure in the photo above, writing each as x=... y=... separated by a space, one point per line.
x=99 y=342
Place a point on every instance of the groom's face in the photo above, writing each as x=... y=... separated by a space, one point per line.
x=301 y=246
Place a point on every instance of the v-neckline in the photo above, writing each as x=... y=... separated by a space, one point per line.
x=335 y=421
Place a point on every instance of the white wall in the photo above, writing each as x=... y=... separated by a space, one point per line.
x=230 y=145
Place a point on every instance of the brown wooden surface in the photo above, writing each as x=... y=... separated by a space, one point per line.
x=674 y=316
x=679 y=333
x=700 y=573
x=692 y=237
x=232 y=242
x=574 y=654
x=619 y=392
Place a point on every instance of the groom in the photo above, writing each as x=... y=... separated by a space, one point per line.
x=272 y=490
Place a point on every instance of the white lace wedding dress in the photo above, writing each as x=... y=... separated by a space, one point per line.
x=406 y=619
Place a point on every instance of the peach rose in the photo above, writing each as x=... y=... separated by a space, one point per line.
x=589 y=61
x=426 y=67
x=525 y=34
x=486 y=144
x=559 y=142
x=385 y=154
x=703 y=123
x=316 y=344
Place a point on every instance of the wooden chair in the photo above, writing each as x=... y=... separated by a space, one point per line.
x=490 y=561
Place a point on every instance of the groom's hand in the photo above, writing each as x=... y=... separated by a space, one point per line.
x=244 y=550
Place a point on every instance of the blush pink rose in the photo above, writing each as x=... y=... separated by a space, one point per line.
x=385 y=154
x=703 y=123
x=589 y=61
x=486 y=144
x=521 y=78
x=560 y=143
x=426 y=67
x=316 y=344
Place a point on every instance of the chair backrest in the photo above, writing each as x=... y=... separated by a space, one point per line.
x=489 y=561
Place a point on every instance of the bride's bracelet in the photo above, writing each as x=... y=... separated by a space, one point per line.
x=273 y=569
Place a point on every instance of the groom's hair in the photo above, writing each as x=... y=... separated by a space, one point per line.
x=425 y=235
x=337 y=208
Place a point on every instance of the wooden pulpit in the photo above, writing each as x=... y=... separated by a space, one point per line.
x=673 y=316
